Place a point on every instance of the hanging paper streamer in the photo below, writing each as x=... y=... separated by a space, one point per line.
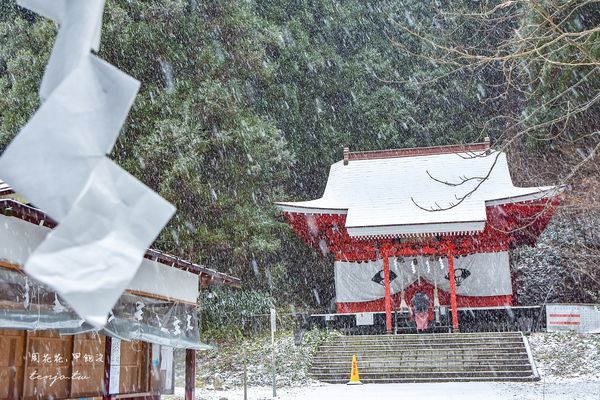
x=139 y=310
x=177 y=326
x=188 y=323
x=107 y=218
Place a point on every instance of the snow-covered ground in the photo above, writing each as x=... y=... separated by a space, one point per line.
x=566 y=355
x=569 y=365
x=567 y=390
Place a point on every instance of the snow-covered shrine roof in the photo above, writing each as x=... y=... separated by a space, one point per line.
x=415 y=192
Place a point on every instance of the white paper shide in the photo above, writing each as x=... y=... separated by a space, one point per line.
x=106 y=217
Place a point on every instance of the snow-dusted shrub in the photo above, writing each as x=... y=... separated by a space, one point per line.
x=227 y=312
x=563 y=266
x=224 y=365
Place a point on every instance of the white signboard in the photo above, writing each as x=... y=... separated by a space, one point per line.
x=364 y=319
x=115 y=366
x=273 y=320
x=582 y=318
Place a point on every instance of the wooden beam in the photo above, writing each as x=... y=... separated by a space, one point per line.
x=25 y=365
x=159 y=297
x=190 y=374
x=13 y=267
x=107 y=356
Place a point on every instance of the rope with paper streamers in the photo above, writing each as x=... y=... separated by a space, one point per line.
x=106 y=217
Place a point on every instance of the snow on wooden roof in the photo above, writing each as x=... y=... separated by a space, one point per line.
x=13 y=208
x=418 y=191
x=4 y=188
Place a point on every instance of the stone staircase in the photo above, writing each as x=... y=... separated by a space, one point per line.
x=446 y=357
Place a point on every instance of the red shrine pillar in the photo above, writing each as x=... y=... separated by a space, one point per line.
x=387 y=295
x=452 y=280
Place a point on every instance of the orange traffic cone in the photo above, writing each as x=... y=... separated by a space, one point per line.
x=354 y=378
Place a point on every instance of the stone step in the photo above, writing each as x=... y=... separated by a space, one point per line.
x=397 y=352
x=417 y=338
x=425 y=358
x=422 y=350
x=436 y=379
x=416 y=361
x=430 y=336
x=444 y=336
x=408 y=349
x=446 y=353
x=420 y=345
x=424 y=343
x=422 y=369
x=420 y=364
x=424 y=340
x=366 y=360
x=430 y=374
x=401 y=372
x=387 y=346
x=377 y=363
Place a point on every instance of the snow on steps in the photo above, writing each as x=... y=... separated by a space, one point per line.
x=457 y=357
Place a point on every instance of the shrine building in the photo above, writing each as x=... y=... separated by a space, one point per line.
x=422 y=233
x=48 y=352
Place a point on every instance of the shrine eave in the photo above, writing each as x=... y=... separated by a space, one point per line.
x=320 y=207
x=429 y=229
x=545 y=192
x=416 y=230
x=299 y=208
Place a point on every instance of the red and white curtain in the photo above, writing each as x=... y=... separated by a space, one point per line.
x=477 y=275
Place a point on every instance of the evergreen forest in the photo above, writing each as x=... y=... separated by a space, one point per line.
x=244 y=103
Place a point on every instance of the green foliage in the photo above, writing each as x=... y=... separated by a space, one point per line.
x=24 y=51
x=340 y=81
x=233 y=313
x=246 y=103
x=563 y=77
x=192 y=135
